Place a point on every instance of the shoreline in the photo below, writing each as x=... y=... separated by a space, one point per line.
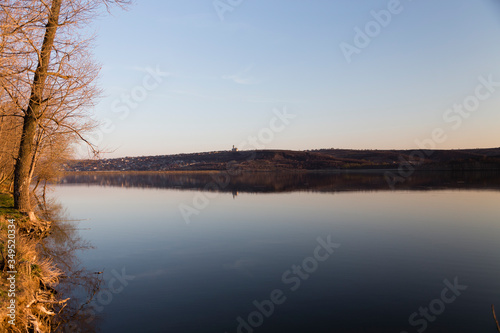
x=290 y=171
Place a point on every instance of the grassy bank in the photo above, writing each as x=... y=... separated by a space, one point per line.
x=31 y=288
x=7 y=206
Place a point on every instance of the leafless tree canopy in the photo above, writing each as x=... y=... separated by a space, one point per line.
x=47 y=84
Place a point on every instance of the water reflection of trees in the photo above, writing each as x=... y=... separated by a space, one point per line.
x=78 y=284
x=262 y=182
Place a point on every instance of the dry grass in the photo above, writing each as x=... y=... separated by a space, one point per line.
x=35 y=279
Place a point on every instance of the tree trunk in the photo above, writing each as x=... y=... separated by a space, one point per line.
x=22 y=175
x=22 y=178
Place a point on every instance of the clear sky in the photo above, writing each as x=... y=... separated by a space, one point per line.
x=376 y=74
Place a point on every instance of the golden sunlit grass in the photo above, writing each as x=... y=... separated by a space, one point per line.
x=35 y=278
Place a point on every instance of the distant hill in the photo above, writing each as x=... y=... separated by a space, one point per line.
x=322 y=159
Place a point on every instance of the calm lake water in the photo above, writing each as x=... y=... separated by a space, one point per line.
x=289 y=252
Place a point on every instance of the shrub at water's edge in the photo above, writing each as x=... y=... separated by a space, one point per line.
x=32 y=288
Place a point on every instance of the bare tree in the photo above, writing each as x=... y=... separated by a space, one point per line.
x=10 y=130
x=47 y=77
x=9 y=125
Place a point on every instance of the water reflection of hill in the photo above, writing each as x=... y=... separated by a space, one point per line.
x=267 y=182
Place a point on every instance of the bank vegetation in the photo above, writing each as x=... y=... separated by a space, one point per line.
x=47 y=91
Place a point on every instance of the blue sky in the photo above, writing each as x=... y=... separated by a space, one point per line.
x=225 y=77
